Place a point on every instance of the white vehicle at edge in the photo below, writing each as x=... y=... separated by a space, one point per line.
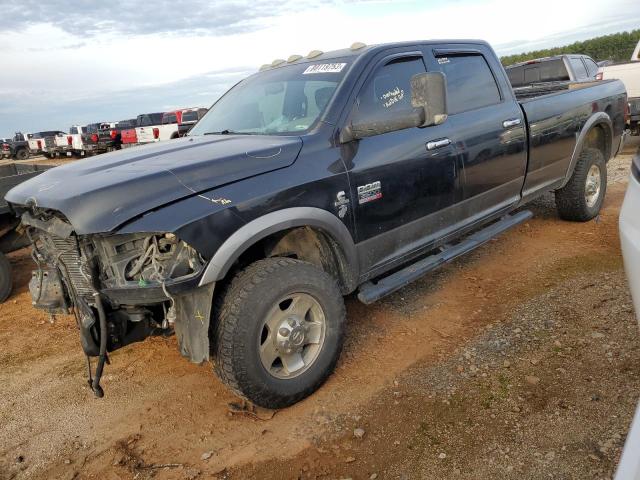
x=629 y=74
x=629 y=467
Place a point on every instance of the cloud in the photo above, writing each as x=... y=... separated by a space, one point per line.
x=29 y=114
x=89 y=19
x=78 y=62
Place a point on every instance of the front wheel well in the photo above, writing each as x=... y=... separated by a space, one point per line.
x=306 y=243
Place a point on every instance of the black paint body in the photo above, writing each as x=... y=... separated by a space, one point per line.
x=206 y=188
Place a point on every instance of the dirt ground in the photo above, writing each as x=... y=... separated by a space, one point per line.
x=520 y=360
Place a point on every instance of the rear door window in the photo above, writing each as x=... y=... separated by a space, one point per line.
x=470 y=82
x=387 y=90
x=579 y=70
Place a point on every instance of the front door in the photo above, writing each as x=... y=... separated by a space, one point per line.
x=402 y=182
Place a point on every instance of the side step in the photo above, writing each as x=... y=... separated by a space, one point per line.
x=369 y=292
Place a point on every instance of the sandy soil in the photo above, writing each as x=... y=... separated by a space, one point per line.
x=519 y=361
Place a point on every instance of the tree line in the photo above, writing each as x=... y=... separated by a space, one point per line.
x=617 y=47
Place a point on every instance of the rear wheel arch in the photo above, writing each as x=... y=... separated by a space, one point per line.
x=597 y=133
x=306 y=233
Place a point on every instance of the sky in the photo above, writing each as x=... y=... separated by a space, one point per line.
x=66 y=63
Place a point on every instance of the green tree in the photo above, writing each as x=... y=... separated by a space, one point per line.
x=617 y=47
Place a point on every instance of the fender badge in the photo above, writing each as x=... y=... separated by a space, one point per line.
x=341 y=203
x=369 y=192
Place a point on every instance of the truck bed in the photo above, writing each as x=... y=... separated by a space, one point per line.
x=555 y=119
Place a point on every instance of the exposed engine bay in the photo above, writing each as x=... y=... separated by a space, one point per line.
x=120 y=288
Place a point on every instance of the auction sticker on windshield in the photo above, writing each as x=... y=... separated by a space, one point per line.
x=324 y=68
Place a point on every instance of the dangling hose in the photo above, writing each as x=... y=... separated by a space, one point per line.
x=95 y=385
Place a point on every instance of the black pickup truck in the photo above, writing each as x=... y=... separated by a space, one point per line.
x=16 y=147
x=356 y=170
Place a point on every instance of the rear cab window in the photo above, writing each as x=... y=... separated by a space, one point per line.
x=592 y=67
x=538 y=71
x=579 y=70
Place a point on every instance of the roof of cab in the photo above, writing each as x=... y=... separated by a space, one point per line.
x=358 y=52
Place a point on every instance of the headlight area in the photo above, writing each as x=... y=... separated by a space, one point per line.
x=122 y=289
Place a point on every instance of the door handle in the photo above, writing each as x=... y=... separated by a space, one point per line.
x=443 y=142
x=512 y=122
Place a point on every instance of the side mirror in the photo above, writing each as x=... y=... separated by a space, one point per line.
x=384 y=124
x=429 y=102
x=429 y=92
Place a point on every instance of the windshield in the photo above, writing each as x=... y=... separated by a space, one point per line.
x=283 y=100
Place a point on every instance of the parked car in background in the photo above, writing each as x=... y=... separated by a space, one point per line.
x=629 y=467
x=5 y=151
x=96 y=138
x=18 y=147
x=169 y=126
x=188 y=118
x=112 y=136
x=359 y=170
x=629 y=74
x=71 y=143
x=147 y=129
x=37 y=143
x=552 y=73
x=129 y=137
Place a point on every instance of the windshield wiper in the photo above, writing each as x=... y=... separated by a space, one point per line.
x=223 y=132
x=229 y=132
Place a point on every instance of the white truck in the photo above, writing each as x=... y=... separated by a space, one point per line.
x=629 y=73
x=37 y=143
x=71 y=143
x=148 y=127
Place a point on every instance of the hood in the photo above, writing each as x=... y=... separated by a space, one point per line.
x=99 y=194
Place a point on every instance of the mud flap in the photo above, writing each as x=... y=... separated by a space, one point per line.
x=193 y=311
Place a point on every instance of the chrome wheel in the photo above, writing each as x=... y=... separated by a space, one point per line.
x=292 y=336
x=592 y=187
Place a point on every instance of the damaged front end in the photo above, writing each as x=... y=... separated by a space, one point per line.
x=120 y=288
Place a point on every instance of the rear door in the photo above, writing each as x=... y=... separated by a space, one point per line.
x=485 y=125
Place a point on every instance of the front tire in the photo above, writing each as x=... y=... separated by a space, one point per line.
x=279 y=329
x=581 y=198
x=5 y=278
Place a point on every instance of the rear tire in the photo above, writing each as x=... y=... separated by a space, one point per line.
x=279 y=329
x=22 y=154
x=5 y=278
x=581 y=198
